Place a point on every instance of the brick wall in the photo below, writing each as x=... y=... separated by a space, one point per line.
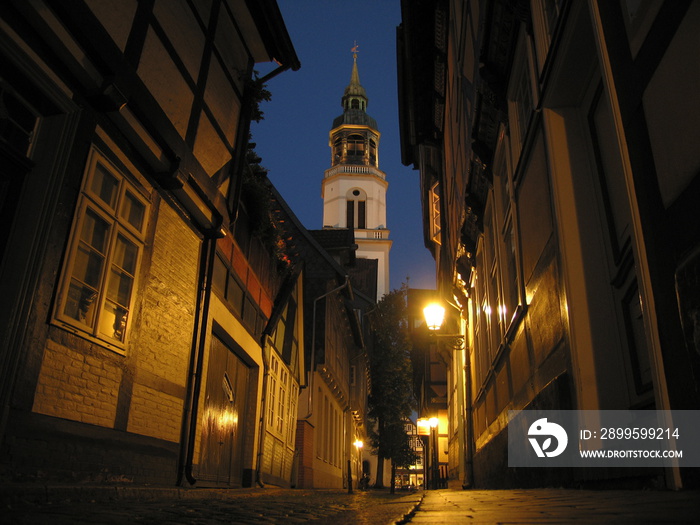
x=76 y=386
x=162 y=344
x=82 y=381
x=105 y=393
x=53 y=450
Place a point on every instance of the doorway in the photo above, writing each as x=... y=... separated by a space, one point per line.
x=224 y=417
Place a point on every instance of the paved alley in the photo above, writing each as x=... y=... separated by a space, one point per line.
x=557 y=506
x=122 y=505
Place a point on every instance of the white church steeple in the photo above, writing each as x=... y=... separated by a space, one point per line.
x=354 y=188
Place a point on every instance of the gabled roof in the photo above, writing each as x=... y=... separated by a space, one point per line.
x=297 y=230
x=269 y=22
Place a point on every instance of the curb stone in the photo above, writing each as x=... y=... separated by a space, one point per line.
x=410 y=513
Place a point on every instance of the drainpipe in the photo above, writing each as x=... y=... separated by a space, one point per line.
x=469 y=430
x=239 y=163
x=194 y=381
x=312 y=366
x=263 y=409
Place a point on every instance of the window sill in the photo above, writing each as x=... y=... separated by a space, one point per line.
x=117 y=349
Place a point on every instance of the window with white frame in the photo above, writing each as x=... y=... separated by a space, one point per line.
x=506 y=247
x=545 y=18
x=272 y=396
x=497 y=282
x=281 y=406
x=105 y=252
x=551 y=10
x=291 y=413
x=522 y=99
x=281 y=401
x=510 y=275
x=520 y=95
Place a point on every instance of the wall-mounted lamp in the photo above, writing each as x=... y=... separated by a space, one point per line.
x=434 y=315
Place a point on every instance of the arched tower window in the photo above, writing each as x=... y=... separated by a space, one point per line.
x=356 y=148
x=337 y=151
x=372 y=152
x=354 y=104
x=356 y=209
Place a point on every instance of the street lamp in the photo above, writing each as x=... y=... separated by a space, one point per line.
x=434 y=315
x=358 y=446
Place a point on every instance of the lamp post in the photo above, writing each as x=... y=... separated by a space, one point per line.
x=358 y=447
x=434 y=315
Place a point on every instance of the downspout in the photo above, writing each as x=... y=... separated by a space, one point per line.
x=312 y=364
x=185 y=427
x=469 y=430
x=263 y=410
x=275 y=72
x=242 y=139
x=194 y=381
x=466 y=399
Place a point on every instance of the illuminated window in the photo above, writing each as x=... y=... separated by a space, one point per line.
x=105 y=254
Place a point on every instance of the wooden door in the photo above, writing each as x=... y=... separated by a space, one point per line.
x=224 y=417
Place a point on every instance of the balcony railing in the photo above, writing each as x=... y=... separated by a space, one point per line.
x=360 y=170
x=379 y=233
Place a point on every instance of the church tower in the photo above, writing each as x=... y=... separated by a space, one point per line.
x=354 y=188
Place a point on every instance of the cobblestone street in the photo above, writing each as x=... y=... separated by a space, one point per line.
x=558 y=506
x=246 y=506
x=105 y=505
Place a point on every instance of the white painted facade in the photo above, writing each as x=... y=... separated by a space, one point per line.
x=354 y=188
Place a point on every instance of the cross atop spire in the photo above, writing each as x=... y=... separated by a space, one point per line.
x=355 y=50
x=355 y=96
